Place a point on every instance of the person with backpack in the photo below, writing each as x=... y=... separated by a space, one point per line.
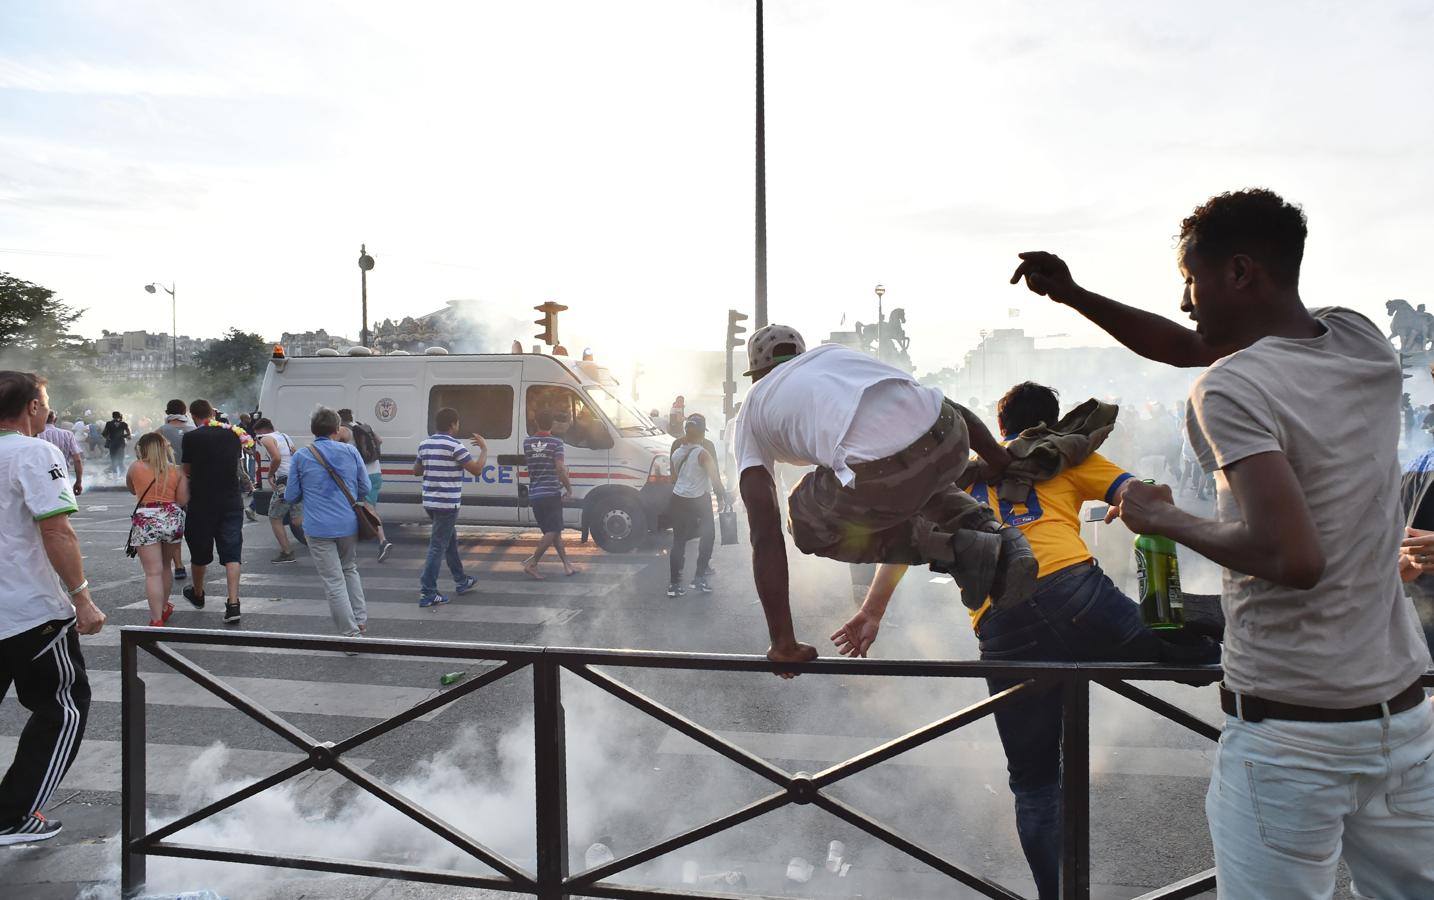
x=280 y=448
x=367 y=442
x=116 y=434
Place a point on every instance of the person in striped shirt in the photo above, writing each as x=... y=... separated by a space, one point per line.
x=442 y=460
x=548 y=487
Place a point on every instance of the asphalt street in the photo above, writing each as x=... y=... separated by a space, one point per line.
x=631 y=780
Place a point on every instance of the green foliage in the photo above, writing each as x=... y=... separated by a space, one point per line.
x=232 y=366
x=31 y=319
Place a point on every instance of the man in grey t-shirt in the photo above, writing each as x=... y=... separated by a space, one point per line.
x=1327 y=739
x=176 y=423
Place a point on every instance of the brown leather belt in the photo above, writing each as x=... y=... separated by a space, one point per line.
x=1255 y=709
x=900 y=460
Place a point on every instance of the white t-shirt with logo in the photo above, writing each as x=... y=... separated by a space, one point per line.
x=832 y=406
x=33 y=487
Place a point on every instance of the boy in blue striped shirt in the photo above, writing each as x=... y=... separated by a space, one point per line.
x=442 y=460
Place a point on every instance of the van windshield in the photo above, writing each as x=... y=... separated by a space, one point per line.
x=624 y=417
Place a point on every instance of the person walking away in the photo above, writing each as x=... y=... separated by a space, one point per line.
x=44 y=606
x=548 y=486
x=64 y=441
x=116 y=435
x=176 y=425
x=96 y=439
x=442 y=460
x=1328 y=739
x=695 y=474
x=369 y=446
x=280 y=449
x=316 y=478
x=888 y=452
x=161 y=492
x=215 y=521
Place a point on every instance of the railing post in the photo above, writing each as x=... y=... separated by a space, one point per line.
x=133 y=804
x=550 y=768
x=1075 y=786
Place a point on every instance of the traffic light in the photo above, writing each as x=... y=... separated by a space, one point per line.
x=549 y=321
x=734 y=341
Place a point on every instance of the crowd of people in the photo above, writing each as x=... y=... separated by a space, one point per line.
x=1327 y=741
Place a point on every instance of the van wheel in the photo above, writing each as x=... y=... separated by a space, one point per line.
x=617 y=525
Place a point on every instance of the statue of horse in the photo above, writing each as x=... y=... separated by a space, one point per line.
x=1413 y=327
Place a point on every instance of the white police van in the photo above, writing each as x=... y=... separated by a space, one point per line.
x=617 y=458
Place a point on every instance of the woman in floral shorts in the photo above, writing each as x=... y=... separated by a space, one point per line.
x=158 y=521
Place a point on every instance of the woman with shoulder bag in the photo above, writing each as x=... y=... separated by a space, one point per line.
x=157 y=524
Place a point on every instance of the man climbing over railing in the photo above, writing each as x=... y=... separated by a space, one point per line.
x=1328 y=742
x=888 y=453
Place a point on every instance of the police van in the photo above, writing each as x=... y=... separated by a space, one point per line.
x=616 y=456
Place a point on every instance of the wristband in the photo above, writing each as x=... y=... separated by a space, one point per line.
x=82 y=586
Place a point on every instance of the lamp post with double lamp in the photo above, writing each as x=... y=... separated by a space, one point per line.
x=173 y=319
x=880 y=316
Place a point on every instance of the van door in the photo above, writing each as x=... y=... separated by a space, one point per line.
x=490 y=410
x=586 y=442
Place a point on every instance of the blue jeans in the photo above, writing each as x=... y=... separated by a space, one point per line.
x=442 y=543
x=1286 y=799
x=1077 y=614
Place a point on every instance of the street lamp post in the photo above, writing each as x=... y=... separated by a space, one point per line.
x=759 y=309
x=365 y=263
x=173 y=320
x=880 y=316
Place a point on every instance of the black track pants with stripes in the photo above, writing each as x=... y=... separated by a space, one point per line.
x=48 y=672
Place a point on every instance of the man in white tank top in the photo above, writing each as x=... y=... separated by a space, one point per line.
x=280 y=449
x=888 y=453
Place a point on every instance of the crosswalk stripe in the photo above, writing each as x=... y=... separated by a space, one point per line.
x=576 y=586
x=283 y=695
x=1167 y=762
x=97 y=768
x=455 y=611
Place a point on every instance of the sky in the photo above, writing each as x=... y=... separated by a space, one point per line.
x=601 y=155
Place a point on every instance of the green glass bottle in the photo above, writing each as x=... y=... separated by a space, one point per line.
x=1158 y=568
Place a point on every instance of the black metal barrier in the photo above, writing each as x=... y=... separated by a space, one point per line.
x=552 y=880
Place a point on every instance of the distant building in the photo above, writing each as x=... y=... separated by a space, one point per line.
x=309 y=343
x=141 y=356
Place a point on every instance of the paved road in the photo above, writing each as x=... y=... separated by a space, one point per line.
x=631 y=780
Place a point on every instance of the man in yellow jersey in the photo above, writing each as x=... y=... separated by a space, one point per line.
x=1076 y=613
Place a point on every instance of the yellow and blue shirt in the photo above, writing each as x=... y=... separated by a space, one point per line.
x=1050 y=515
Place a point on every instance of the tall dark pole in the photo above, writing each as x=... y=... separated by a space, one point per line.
x=173 y=331
x=365 y=263
x=761 y=300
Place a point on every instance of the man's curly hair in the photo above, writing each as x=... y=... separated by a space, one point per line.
x=1256 y=222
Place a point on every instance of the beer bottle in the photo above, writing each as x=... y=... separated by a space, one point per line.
x=1158 y=569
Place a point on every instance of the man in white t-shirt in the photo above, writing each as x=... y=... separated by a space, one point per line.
x=888 y=453
x=44 y=605
x=1328 y=745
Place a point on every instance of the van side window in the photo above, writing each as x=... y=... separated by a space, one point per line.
x=574 y=421
x=483 y=408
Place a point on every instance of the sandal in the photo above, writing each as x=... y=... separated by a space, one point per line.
x=166 y=613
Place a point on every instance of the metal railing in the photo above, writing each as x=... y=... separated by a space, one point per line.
x=551 y=880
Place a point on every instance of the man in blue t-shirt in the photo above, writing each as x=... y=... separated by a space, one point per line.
x=442 y=460
x=548 y=487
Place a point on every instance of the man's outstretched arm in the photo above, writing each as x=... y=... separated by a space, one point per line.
x=1151 y=336
x=769 y=565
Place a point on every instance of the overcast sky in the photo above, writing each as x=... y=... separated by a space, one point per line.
x=600 y=155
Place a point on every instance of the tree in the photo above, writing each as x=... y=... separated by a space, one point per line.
x=31 y=319
x=238 y=353
x=233 y=365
